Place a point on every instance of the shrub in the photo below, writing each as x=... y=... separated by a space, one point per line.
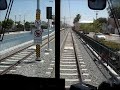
x=113 y=45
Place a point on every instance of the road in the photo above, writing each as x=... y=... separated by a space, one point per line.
x=16 y=38
x=112 y=37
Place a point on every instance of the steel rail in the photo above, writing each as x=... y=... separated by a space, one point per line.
x=18 y=62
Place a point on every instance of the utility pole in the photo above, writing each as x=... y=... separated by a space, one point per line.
x=64 y=24
x=15 y=20
x=24 y=22
x=20 y=18
x=38 y=28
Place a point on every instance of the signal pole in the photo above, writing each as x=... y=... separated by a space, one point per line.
x=38 y=28
x=49 y=16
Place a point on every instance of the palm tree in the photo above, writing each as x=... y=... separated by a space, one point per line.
x=77 y=18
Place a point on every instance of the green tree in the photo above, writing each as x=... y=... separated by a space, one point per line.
x=44 y=26
x=7 y=24
x=77 y=18
x=0 y=23
x=27 y=26
x=115 y=9
x=20 y=27
x=32 y=25
x=86 y=27
x=102 y=20
x=96 y=26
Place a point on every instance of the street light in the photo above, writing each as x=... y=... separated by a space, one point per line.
x=24 y=22
x=96 y=14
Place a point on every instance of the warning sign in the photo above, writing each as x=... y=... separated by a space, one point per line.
x=38 y=36
x=37 y=23
x=38 y=33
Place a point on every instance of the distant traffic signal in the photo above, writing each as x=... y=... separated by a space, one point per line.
x=49 y=13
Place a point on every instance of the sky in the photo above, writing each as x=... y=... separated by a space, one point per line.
x=27 y=8
x=69 y=9
x=79 y=7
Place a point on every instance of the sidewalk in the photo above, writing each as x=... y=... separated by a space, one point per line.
x=12 y=33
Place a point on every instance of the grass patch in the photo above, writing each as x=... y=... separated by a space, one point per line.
x=113 y=45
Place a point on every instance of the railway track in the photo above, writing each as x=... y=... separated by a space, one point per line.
x=70 y=62
x=105 y=70
x=68 y=67
x=73 y=66
x=10 y=63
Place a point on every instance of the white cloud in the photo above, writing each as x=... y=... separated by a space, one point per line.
x=86 y=21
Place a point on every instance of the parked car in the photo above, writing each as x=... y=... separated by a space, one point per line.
x=81 y=31
x=98 y=36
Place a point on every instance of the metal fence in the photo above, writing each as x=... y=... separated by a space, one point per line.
x=107 y=55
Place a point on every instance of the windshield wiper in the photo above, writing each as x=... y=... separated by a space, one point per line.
x=7 y=17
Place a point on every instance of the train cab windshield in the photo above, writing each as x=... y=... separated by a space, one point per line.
x=60 y=44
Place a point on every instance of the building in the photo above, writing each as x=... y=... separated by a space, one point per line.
x=111 y=26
